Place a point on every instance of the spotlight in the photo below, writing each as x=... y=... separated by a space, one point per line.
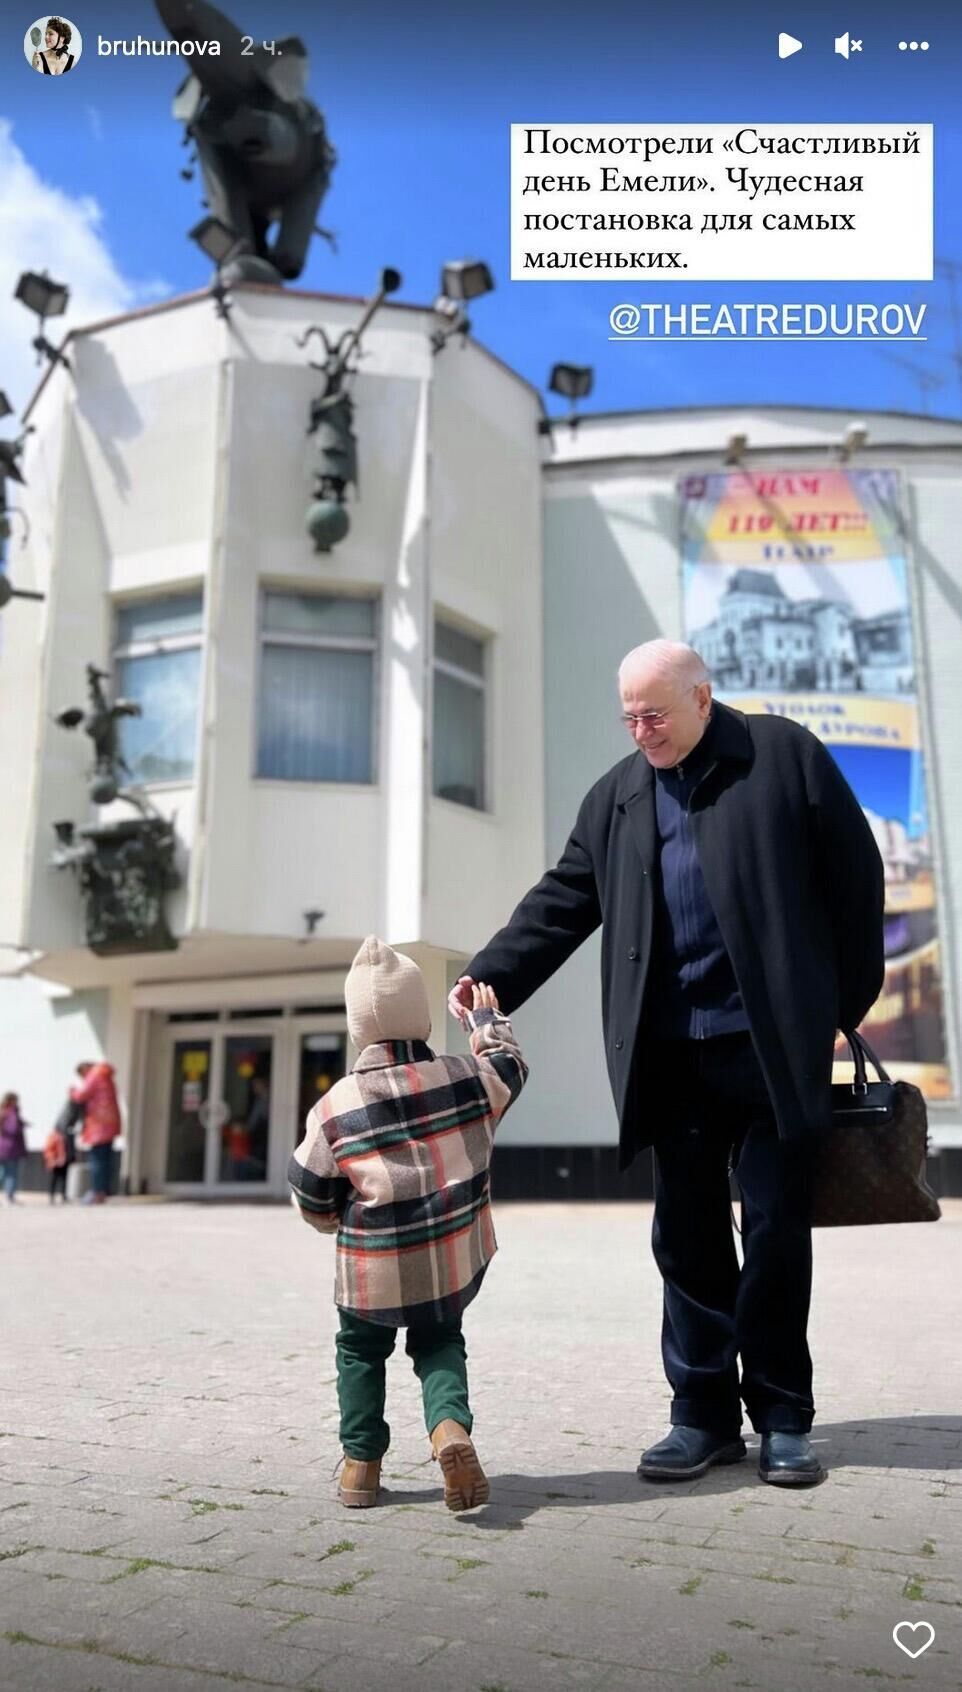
x=735 y=448
x=572 y=381
x=214 y=238
x=41 y=295
x=462 y=279
x=45 y=298
x=466 y=279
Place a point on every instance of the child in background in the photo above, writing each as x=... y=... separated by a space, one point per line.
x=396 y=1161
x=59 y=1150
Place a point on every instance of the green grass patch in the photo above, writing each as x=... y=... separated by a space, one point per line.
x=536 y=1594
x=690 y=1587
x=137 y=1566
x=913 y=1588
x=348 y=1586
x=718 y=1659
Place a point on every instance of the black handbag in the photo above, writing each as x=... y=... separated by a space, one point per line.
x=870 y=1163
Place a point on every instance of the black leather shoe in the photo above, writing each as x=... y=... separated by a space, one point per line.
x=688 y=1452
x=787 y=1459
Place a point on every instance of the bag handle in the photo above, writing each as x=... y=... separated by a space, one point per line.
x=860 y=1050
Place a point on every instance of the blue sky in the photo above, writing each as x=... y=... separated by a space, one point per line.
x=418 y=100
x=886 y=780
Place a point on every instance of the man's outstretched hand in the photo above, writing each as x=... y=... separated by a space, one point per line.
x=461 y=998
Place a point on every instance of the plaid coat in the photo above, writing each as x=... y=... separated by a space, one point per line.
x=396 y=1161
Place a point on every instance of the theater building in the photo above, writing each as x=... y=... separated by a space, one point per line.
x=395 y=735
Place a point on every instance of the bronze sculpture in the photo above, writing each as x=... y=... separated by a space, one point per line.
x=262 y=144
x=126 y=866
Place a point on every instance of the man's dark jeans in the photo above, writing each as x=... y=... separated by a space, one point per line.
x=712 y=1106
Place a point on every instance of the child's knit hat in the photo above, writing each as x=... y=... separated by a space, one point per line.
x=385 y=996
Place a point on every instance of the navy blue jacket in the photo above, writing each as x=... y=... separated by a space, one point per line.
x=692 y=991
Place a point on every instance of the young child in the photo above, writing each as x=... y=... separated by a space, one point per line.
x=396 y=1161
x=59 y=1150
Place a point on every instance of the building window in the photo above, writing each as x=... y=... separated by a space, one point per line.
x=157 y=652
x=316 y=717
x=459 y=717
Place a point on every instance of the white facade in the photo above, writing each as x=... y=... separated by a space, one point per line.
x=173 y=458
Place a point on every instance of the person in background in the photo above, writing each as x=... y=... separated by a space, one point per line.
x=96 y=1092
x=59 y=1150
x=13 y=1146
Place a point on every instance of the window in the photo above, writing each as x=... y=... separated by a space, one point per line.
x=157 y=652
x=316 y=718
x=459 y=717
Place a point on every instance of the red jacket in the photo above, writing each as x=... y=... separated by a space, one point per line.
x=97 y=1093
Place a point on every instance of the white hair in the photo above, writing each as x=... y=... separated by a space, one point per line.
x=670 y=658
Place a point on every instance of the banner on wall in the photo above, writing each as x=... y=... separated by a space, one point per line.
x=796 y=595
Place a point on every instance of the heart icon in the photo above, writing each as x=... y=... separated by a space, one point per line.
x=907 y=1628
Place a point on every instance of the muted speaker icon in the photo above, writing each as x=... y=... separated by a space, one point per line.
x=841 y=44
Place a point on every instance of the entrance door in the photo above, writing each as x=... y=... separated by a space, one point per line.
x=321 y=1060
x=219 y=1111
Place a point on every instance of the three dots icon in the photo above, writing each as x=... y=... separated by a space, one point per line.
x=914 y=46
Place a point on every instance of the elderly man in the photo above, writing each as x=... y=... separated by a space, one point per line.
x=740 y=892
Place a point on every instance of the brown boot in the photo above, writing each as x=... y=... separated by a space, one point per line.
x=359 y=1483
x=465 y=1482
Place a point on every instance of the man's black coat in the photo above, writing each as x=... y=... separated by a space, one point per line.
x=795 y=880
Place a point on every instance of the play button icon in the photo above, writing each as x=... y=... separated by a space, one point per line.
x=787 y=45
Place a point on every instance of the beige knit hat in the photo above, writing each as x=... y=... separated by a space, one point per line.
x=385 y=996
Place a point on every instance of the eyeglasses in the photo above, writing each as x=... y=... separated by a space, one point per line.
x=654 y=719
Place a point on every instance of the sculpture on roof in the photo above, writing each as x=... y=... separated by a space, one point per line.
x=261 y=143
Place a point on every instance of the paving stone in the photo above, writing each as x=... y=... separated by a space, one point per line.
x=202 y=1432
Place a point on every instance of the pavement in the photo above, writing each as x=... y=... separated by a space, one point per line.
x=168 y=1430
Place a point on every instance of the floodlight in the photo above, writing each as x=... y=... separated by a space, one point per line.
x=466 y=279
x=572 y=381
x=214 y=237
x=9 y=453
x=41 y=295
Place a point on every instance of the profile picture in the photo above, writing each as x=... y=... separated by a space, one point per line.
x=52 y=45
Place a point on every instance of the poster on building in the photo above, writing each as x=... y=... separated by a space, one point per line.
x=796 y=595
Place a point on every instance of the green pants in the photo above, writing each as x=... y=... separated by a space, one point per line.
x=438 y=1353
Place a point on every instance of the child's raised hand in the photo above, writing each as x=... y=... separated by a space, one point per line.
x=484 y=997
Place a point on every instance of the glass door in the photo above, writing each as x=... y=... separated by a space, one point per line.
x=188 y=1110
x=243 y=1143
x=321 y=1060
x=219 y=1107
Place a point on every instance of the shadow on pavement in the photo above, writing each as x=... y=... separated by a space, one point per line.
x=930 y=1443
